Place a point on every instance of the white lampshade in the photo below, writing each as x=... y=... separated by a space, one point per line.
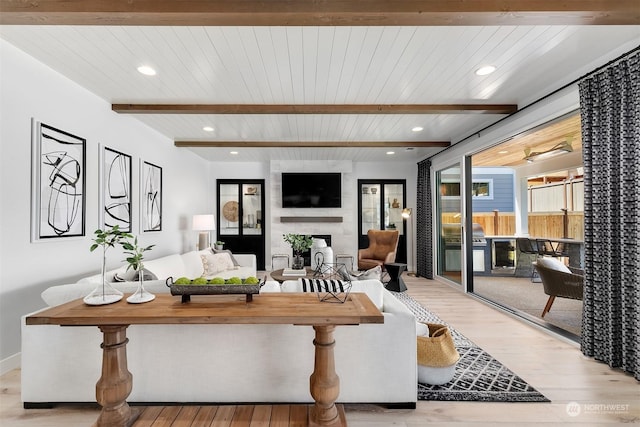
x=204 y=222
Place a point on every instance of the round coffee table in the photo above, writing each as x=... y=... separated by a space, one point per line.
x=277 y=275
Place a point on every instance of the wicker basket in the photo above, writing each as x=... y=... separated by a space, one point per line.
x=437 y=350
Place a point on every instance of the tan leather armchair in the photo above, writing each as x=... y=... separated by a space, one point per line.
x=383 y=245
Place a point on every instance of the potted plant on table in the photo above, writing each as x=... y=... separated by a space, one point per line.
x=219 y=245
x=299 y=243
x=136 y=255
x=104 y=293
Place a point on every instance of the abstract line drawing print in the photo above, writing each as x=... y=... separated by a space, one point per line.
x=116 y=189
x=151 y=191
x=61 y=199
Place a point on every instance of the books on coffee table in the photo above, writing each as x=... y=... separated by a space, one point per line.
x=293 y=272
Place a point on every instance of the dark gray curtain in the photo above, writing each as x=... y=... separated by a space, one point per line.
x=424 y=215
x=610 y=108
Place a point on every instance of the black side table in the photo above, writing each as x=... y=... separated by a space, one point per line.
x=395 y=282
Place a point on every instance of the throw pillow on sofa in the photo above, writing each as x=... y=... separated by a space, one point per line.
x=372 y=273
x=215 y=263
x=134 y=276
x=227 y=251
x=322 y=285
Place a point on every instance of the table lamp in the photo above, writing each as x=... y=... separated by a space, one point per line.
x=204 y=224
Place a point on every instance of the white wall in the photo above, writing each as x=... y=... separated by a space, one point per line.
x=31 y=90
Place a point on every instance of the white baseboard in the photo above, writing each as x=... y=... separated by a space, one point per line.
x=10 y=363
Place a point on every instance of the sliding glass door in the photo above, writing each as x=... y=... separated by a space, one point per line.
x=449 y=219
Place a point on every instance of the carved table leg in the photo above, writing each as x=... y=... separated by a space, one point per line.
x=324 y=382
x=115 y=384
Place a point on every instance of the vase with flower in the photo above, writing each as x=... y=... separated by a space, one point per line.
x=299 y=243
x=104 y=293
x=135 y=256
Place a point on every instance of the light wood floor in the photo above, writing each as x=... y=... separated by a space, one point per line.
x=555 y=367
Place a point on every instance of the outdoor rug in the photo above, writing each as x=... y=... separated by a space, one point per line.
x=478 y=377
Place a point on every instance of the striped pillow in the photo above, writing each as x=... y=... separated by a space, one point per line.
x=322 y=285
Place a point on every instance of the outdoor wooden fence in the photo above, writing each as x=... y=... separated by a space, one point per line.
x=541 y=224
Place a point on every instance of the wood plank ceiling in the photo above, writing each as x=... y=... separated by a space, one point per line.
x=294 y=79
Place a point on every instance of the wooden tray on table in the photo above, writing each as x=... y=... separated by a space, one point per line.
x=227 y=289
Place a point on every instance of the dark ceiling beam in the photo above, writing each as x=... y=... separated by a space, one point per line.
x=318 y=13
x=314 y=144
x=314 y=109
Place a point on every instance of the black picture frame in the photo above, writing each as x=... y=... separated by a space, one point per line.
x=115 y=190
x=58 y=199
x=150 y=197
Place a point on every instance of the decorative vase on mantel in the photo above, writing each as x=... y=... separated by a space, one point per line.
x=104 y=293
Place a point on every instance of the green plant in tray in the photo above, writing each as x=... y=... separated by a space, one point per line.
x=199 y=281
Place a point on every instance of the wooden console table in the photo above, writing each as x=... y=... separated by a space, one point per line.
x=115 y=384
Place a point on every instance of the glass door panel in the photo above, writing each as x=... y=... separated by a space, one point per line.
x=371 y=207
x=380 y=208
x=241 y=223
x=229 y=210
x=251 y=209
x=393 y=207
x=449 y=237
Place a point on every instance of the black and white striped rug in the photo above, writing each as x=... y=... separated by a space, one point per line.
x=478 y=377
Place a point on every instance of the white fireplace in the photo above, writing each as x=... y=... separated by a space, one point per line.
x=338 y=223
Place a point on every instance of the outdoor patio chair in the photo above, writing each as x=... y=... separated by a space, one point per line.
x=546 y=248
x=528 y=246
x=558 y=281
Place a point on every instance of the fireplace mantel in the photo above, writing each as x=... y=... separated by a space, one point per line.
x=310 y=219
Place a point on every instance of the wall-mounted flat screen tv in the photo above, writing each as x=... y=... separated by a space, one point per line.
x=311 y=190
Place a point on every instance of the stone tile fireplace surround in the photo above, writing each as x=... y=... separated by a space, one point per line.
x=339 y=223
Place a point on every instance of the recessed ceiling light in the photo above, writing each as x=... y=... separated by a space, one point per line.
x=417 y=129
x=207 y=129
x=503 y=152
x=485 y=69
x=146 y=70
x=391 y=152
x=234 y=153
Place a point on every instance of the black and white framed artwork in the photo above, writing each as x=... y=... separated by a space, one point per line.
x=151 y=196
x=58 y=202
x=115 y=189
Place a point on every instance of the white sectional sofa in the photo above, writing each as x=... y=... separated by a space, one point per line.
x=376 y=363
x=185 y=265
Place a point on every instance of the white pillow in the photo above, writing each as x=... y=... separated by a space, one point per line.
x=553 y=264
x=422 y=330
x=193 y=263
x=215 y=263
x=372 y=273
